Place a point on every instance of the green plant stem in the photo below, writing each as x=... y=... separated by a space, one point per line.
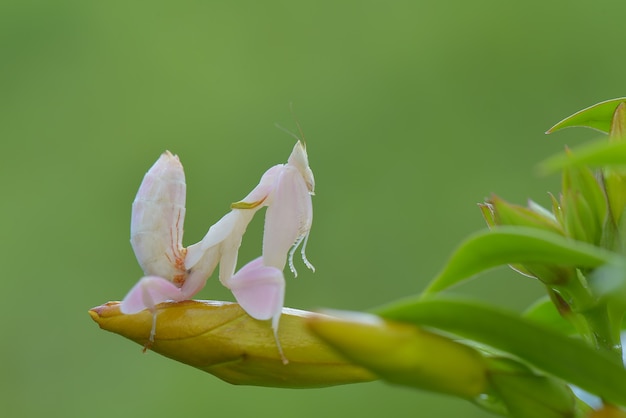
x=606 y=335
x=593 y=319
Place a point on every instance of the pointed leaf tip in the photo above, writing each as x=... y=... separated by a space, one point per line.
x=596 y=117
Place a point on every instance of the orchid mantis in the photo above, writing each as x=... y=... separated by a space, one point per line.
x=286 y=190
x=158 y=215
x=177 y=273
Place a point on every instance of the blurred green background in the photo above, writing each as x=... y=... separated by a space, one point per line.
x=413 y=112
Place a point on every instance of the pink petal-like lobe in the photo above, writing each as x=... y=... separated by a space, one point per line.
x=149 y=292
x=259 y=289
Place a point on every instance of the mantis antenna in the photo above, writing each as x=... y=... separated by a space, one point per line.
x=295 y=118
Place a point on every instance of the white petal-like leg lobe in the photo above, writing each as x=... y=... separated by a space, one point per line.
x=220 y=244
x=256 y=198
x=158 y=215
x=149 y=292
x=199 y=253
x=230 y=246
x=260 y=290
x=288 y=218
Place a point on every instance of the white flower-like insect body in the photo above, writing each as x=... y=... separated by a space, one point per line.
x=286 y=190
x=177 y=273
x=158 y=214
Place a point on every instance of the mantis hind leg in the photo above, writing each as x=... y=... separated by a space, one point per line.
x=150 y=341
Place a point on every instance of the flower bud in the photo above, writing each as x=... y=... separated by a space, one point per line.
x=584 y=205
x=498 y=212
x=505 y=213
x=404 y=354
x=221 y=339
x=615 y=181
x=618 y=123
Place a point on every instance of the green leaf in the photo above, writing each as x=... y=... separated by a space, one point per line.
x=527 y=394
x=515 y=245
x=609 y=283
x=545 y=313
x=595 y=154
x=597 y=117
x=567 y=358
